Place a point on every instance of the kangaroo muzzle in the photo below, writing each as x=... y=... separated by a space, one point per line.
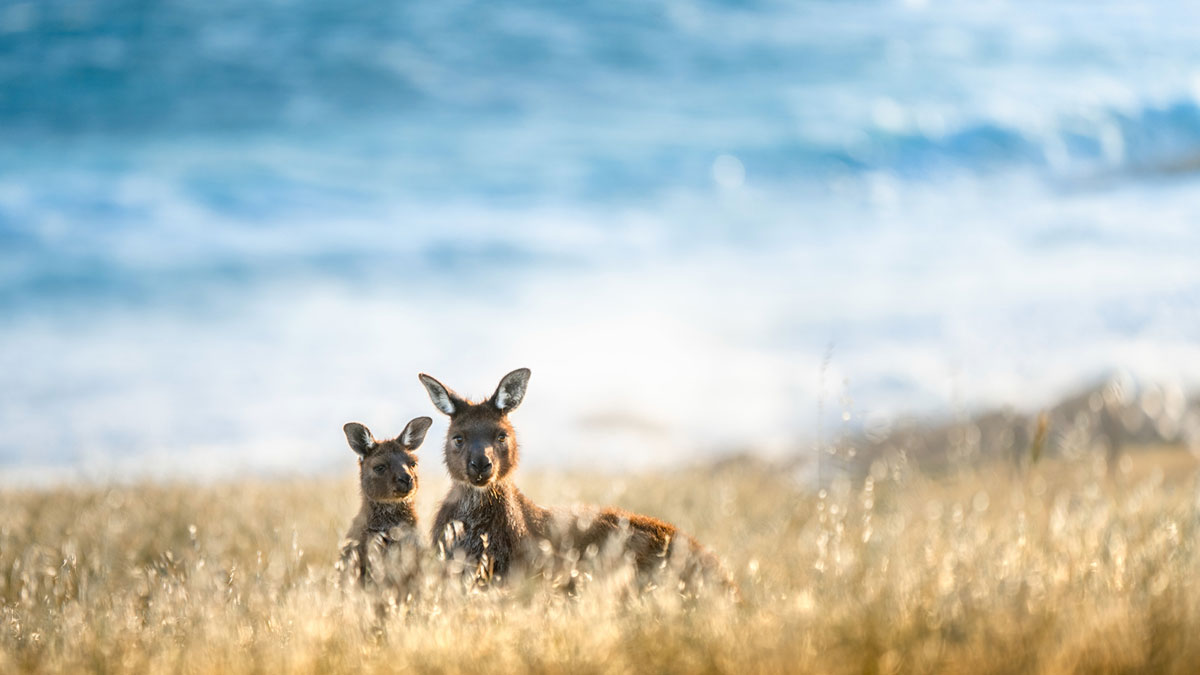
x=403 y=485
x=480 y=469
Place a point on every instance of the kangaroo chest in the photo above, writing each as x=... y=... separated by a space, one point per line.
x=379 y=531
x=487 y=530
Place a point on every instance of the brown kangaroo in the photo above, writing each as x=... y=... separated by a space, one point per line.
x=385 y=527
x=487 y=521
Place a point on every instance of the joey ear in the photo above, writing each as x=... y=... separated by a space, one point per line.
x=360 y=438
x=444 y=399
x=511 y=390
x=414 y=433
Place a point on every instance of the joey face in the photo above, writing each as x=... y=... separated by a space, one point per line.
x=389 y=474
x=388 y=469
x=480 y=445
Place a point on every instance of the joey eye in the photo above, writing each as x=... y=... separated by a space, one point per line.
x=458 y=441
x=501 y=437
x=379 y=468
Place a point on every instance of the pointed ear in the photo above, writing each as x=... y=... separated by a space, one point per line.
x=360 y=438
x=414 y=433
x=444 y=399
x=511 y=390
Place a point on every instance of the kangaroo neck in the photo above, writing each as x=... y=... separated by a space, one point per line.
x=383 y=516
x=497 y=493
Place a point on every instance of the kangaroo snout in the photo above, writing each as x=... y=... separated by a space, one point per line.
x=480 y=469
x=403 y=484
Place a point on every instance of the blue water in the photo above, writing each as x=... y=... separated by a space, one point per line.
x=227 y=227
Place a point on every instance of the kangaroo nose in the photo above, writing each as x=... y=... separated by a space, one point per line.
x=481 y=466
x=405 y=481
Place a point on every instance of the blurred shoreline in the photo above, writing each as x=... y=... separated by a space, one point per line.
x=1108 y=422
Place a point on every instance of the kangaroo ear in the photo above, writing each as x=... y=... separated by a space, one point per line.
x=444 y=399
x=414 y=433
x=511 y=390
x=360 y=438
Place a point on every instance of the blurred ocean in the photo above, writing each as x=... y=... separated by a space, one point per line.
x=226 y=228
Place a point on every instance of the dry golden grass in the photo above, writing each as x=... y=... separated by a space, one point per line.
x=1068 y=567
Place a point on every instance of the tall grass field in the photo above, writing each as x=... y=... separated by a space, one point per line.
x=1064 y=566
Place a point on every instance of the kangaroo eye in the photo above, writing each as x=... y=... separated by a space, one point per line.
x=379 y=468
x=501 y=437
x=458 y=441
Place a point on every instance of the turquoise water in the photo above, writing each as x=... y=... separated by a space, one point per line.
x=226 y=229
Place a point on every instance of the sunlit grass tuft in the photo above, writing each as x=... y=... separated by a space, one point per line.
x=1063 y=567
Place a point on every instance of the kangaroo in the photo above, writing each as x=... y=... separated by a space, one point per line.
x=498 y=530
x=385 y=527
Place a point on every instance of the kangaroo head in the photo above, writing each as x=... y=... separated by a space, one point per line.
x=388 y=469
x=480 y=444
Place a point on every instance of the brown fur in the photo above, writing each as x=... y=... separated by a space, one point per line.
x=386 y=525
x=496 y=530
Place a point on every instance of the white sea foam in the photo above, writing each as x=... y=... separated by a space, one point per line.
x=642 y=354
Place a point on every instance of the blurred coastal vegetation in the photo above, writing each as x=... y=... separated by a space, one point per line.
x=989 y=561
